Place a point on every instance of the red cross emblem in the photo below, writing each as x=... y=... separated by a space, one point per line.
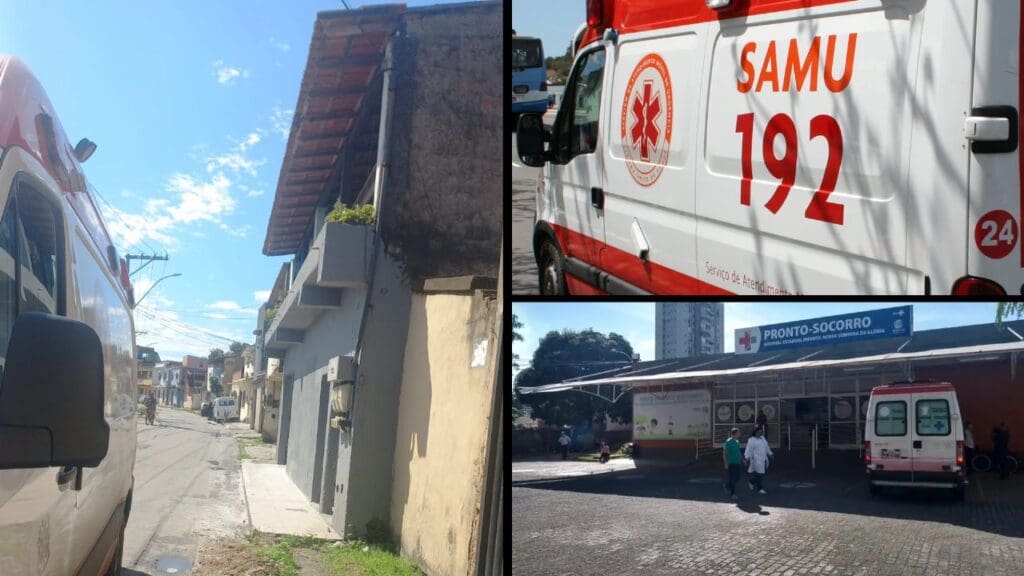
x=646 y=121
x=646 y=110
x=747 y=340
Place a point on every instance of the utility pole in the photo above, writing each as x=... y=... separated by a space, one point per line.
x=150 y=258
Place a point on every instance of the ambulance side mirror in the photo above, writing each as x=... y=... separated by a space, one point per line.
x=530 y=140
x=51 y=412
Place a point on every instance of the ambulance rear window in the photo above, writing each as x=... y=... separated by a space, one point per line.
x=933 y=417
x=891 y=418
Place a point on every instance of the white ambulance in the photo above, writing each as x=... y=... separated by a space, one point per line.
x=67 y=360
x=776 y=147
x=913 y=437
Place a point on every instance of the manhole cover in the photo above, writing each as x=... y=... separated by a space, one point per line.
x=173 y=565
x=705 y=480
x=797 y=485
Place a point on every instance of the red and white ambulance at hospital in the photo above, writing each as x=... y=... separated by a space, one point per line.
x=774 y=147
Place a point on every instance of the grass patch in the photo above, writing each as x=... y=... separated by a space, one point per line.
x=596 y=457
x=242 y=454
x=350 y=558
x=358 y=558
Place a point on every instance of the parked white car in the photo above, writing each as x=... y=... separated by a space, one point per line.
x=225 y=409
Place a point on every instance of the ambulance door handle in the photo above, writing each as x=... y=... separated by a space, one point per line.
x=597 y=198
x=643 y=248
x=992 y=129
x=917 y=444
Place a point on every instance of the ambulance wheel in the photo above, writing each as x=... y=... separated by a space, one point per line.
x=550 y=270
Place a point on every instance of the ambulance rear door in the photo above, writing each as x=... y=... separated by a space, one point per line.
x=805 y=157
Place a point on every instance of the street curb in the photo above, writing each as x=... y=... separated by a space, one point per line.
x=245 y=495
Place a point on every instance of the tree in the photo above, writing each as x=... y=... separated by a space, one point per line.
x=559 y=66
x=215 y=355
x=517 y=406
x=569 y=354
x=1004 y=310
x=215 y=386
x=236 y=348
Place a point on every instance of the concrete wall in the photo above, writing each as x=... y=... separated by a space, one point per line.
x=363 y=476
x=442 y=208
x=444 y=414
x=333 y=334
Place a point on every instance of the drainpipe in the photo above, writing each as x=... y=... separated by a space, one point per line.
x=380 y=180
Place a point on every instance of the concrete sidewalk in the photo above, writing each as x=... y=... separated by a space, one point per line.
x=277 y=506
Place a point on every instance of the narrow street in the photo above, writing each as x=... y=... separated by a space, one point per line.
x=187 y=491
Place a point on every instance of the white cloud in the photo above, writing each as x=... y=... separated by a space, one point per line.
x=235 y=162
x=281 y=120
x=231 y=306
x=261 y=295
x=251 y=140
x=280 y=45
x=227 y=75
x=254 y=193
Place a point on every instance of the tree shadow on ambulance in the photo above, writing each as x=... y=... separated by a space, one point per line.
x=784 y=147
x=914 y=438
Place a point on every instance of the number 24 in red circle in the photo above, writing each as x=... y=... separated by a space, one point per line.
x=785 y=168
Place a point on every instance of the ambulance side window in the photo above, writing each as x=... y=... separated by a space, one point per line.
x=891 y=419
x=933 y=417
x=8 y=285
x=577 y=131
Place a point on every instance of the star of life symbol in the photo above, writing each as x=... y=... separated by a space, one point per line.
x=646 y=122
x=645 y=131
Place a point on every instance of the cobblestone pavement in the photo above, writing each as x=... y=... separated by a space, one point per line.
x=626 y=522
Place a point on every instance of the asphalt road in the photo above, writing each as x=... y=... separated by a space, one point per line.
x=822 y=522
x=187 y=491
x=524 y=190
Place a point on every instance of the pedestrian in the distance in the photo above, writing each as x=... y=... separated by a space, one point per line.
x=1001 y=443
x=564 y=441
x=732 y=457
x=968 y=446
x=762 y=422
x=606 y=452
x=757 y=454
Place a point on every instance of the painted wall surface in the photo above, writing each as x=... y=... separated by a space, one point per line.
x=363 y=476
x=442 y=214
x=988 y=394
x=333 y=334
x=444 y=413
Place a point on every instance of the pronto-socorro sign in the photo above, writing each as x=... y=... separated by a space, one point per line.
x=872 y=324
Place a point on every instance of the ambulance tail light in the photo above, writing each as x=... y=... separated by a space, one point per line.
x=867 y=452
x=959 y=452
x=543 y=86
x=596 y=15
x=974 y=286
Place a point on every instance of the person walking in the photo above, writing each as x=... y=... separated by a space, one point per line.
x=606 y=452
x=563 y=442
x=762 y=422
x=732 y=457
x=968 y=447
x=757 y=454
x=1001 y=442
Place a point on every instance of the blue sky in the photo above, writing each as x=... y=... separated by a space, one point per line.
x=190 y=103
x=553 y=21
x=636 y=321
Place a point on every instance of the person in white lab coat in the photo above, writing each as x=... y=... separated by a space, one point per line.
x=757 y=454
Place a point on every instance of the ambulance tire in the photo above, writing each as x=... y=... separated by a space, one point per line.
x=550 y=269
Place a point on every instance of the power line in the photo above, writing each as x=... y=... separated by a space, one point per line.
x=197 y=329
x=187 y=330
x=117 y=215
